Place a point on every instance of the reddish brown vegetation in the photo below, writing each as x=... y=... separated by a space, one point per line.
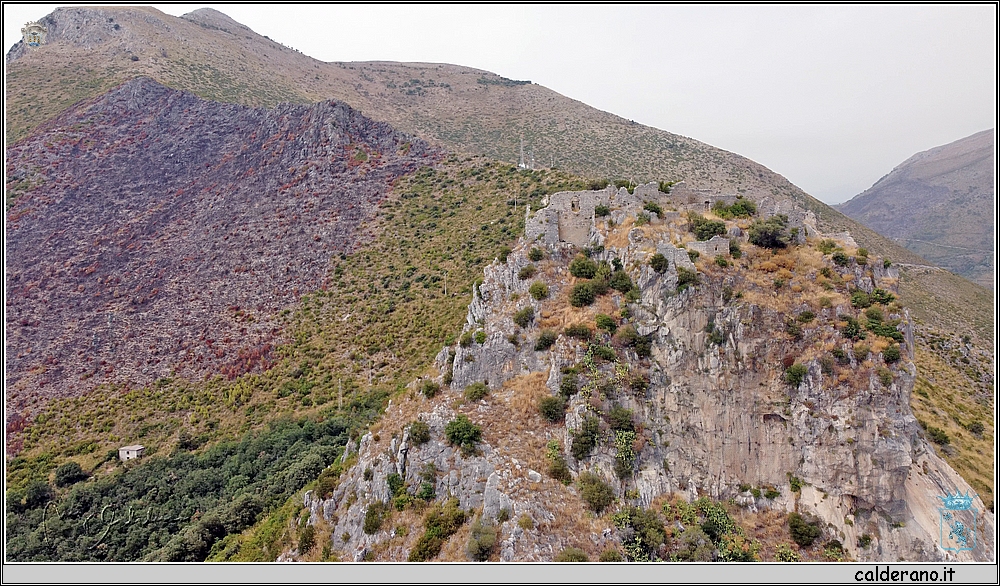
x=164 y=233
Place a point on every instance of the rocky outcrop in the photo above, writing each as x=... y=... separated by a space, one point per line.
x=716 y=415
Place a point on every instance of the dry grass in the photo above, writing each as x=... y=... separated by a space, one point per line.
x=941 y=398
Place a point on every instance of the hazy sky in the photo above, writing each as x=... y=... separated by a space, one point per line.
x=831 y=97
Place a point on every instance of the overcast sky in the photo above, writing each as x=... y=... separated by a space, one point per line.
x=831 y=97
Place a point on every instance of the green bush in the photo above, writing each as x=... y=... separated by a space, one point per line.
x=976 y=428
x=440 y=523
x=694 y=545
x=585 y=438
x=652 y=206
x=571 y=554
x=659 y=263
x=770 y=233
x=466 y=340
x=595 y=492
x=795 y=374
x=891 y=354
x=535 y=255
x=620 y=281
x=480 y=337
x=860 y=300
x=611 y=556
x=882 y=297
x=582 y=294
x=741 y=208
x=806 y=316
x=827 y=364
x=69 y=473
x=840 y=258
x=601 y=210
x=476 y=391
x=482 y=541
x=826 y=246
x=734 y=249
x=641 y=219
x=852 y=329
x=642 y=533
x=885 y=376
x=523 y=317
x=620 y=419
x=938 y=435
x=546 y=340
x=579 y=331
x=628 y=336
x=842 y=357
x=804 y=532
x=552 y=408
x=463 y=433
x=527 y=272
x=582 y=267
x=604 y=353
x=559 y=470
x=430 y=388
x=307 y=539
x=704 y=229
x=539 y=290
x=665 y=186
x=569 y=385
x=375 y=514
x=693 y=255
x=606 y=322
x=396 y=484
x=420 y=433
x=686 y=278
x=721 y=261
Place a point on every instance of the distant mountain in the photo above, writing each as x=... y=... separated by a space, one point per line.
x=939 y=203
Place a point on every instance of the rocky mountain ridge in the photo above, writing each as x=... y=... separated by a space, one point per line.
x=710 y=410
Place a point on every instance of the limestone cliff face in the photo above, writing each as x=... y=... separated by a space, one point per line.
x=714 y=414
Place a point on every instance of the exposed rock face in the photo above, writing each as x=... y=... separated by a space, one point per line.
x=939 y=203
x=717 y=414
x=153 y=232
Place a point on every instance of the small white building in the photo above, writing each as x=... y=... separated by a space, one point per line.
x=126 y=453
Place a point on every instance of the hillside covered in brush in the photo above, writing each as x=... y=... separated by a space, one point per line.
x=153 y=234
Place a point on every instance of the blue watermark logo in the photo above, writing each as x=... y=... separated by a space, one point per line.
x=958 y=521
